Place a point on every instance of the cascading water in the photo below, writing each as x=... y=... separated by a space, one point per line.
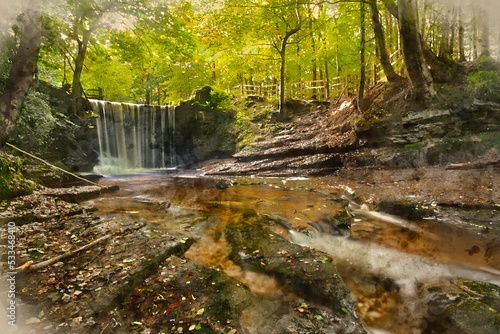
x=134 y=137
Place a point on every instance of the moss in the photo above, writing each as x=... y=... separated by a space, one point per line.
x=490 y=292
x=230 y=297
x=472 y=316
x=12 y=181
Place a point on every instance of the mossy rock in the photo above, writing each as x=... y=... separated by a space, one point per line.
x=490 y=293
x=471 y=317
x=12 y=181
x=404 y=208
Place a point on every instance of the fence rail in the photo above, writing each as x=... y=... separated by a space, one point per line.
x=97 y=93
x=320 y=89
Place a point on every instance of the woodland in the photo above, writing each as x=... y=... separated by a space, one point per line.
x=159 y=52
x=285 y=166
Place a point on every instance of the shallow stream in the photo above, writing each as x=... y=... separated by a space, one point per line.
x=385 y=261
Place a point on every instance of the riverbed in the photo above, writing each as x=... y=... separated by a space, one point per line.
x=389 y=263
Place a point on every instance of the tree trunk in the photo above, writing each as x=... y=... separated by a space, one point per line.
x=385 y=61
x=314 y=67
x=474 y=31
x=461 y=50
x=327 y=80
x=423 y=20
x=23 y=68
x=453 y=27
x=362 y=74
x=485 y=34
x=282 y=107
x=77 y=91
x=282 y=52
x=418 y=72
x=445 y=35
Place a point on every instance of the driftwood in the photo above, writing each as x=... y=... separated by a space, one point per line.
x=29 y=266
x=52 y=166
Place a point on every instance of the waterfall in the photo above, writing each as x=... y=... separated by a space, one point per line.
x=134 y=138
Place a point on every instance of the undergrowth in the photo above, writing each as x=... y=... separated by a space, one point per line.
x=12 y=181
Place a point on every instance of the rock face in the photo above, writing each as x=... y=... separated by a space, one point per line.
x=432 y=137
x=308 y=273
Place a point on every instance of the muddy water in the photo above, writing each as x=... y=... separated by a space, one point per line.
x=382 y=249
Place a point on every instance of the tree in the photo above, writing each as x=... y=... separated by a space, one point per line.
x=362 y=74
x=413 y=51
x=23 y=69
x=80 y=20
x=385 y=61
x=485 y=33
x=460 y=27
x=291 y=26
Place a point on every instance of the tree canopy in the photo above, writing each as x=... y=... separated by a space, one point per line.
x=160 y=51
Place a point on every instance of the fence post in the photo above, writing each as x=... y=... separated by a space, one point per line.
x=347 y=85
x=241 y=89
x=375 y=79
x=260 y=88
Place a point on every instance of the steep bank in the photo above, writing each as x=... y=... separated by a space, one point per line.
x=395 y=132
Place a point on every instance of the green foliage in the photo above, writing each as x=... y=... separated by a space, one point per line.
x=40 y=126
x=219 y=100
x=35 y=122
x=7 y=45
x=12 y=182
x=485 y=85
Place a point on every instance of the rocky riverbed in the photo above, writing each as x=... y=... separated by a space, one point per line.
x=188 y=253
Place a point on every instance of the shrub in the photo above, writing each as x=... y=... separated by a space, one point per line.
x=485 y=85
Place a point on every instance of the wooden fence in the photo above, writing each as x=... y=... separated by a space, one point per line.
x=97 y=93
x=320 y=89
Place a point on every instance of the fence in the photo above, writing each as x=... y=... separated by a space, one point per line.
x=97 y=93
x=320 y=89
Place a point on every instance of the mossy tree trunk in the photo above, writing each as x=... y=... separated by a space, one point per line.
x=418 y=72
x=23 y=69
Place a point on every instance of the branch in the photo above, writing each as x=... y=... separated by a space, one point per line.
x=29 y=266
x=55 y=167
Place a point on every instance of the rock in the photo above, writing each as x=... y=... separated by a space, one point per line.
x=308 y=273
x=405 y=208
x=465 y=307
x=471 y=317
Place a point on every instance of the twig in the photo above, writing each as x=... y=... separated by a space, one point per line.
x=55 y=167
x=44 y=264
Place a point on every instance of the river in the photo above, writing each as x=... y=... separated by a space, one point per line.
x=387 y=262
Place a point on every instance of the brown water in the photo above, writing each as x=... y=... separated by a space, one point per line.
x=411 y=254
